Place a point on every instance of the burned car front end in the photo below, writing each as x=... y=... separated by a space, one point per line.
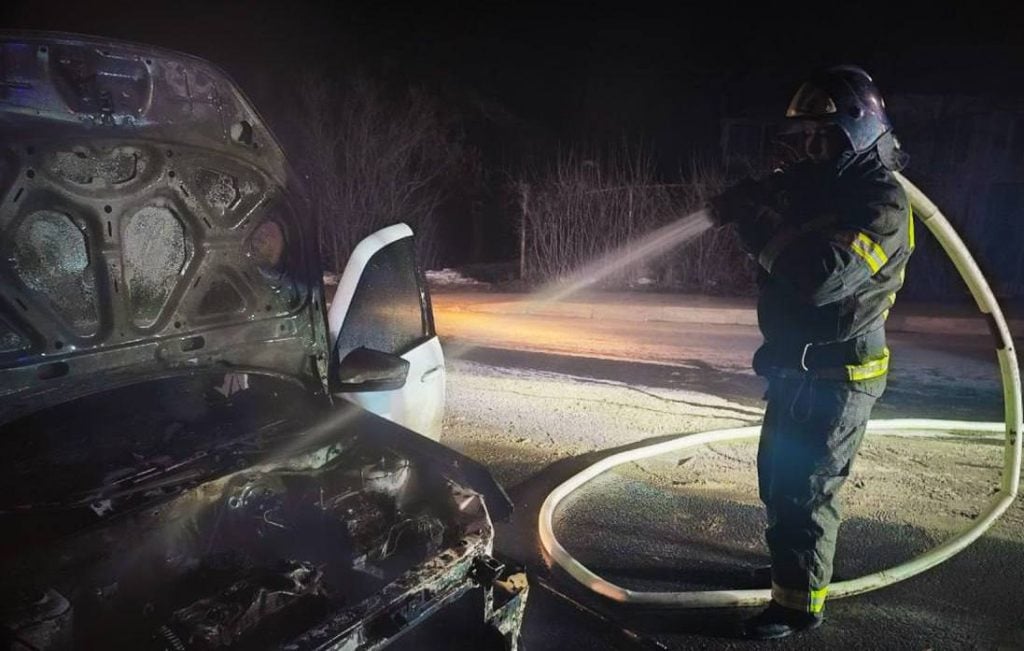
x=176 y=473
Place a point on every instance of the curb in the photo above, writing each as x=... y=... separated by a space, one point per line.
x=679 y=312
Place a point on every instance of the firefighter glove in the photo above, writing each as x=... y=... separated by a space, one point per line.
x=739 y=202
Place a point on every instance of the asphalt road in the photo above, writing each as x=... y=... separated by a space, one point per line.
x=537 y=398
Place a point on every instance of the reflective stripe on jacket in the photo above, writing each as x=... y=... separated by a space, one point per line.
x=833 y=251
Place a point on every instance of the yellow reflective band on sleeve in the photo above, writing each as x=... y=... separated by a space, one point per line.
x=910 y=231
x=872 y=264
x=874 y=247
x=870 y=251
x=808 y=601
x=892 y=301
x=817 y=600
x=870 y=369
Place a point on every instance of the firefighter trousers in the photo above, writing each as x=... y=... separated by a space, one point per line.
x=811 y=433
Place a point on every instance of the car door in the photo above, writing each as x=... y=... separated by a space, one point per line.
x=382 y=304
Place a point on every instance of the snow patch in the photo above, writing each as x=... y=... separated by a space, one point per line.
x=451 y=277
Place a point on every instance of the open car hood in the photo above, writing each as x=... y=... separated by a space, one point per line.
x=176 y=475
x=150 y=230
x=148 y=224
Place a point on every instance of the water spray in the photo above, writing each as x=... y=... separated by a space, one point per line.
x=660 y=241
x=1010 y=429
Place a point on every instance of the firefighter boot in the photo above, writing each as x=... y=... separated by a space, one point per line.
x=778 y=621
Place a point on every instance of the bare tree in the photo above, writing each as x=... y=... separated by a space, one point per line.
x=371 y=159
x=585 y=205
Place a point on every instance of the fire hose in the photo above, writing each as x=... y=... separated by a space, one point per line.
x=1010 y=430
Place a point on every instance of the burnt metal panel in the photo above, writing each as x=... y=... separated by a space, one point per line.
x=50 y=256
x=143 y=202
x=155 y=249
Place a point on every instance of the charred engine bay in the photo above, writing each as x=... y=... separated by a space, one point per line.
x=165 y=524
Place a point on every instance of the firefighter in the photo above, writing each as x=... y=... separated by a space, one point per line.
x=832 y=232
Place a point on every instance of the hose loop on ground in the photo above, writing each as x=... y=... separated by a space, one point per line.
x=1010 y=429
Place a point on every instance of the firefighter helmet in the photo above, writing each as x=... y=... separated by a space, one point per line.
x=846 y=97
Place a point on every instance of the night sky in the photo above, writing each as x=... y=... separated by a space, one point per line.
x=575 y=70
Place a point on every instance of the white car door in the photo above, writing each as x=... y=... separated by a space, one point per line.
x=382 y=304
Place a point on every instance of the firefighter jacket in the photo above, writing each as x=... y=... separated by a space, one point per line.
x=832 y=248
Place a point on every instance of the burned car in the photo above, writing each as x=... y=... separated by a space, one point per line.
x=194 y=455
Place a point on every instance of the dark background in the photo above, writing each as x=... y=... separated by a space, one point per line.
x=574 y=70
x=530 y=78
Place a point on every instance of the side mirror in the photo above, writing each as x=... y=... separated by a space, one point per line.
x=365 y=369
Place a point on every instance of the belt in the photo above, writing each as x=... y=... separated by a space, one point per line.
x=841 y=360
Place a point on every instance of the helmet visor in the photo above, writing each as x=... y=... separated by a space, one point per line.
x=810 y=101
